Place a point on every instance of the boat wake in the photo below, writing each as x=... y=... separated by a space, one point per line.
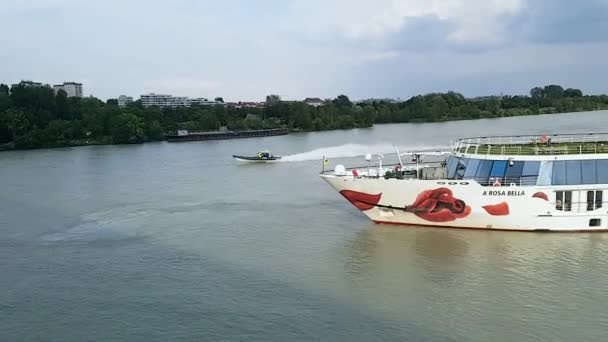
x=353 y=150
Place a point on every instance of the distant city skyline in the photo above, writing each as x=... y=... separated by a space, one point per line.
x=241 y=50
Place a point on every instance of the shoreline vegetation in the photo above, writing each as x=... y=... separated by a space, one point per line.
x=37 y=117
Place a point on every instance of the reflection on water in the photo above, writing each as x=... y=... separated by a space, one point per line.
x=513 y=282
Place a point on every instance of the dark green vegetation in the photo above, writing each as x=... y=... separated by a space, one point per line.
x=33 y=117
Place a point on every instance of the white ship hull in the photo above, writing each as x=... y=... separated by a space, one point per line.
x=466 y=204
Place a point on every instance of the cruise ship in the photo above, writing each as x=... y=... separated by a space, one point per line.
x=527 y=183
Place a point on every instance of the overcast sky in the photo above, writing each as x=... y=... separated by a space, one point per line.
x=244 y=49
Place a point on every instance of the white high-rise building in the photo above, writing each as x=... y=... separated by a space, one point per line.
x=73 y=89
x=163 y=100
x=158 y=100
x=124 y=100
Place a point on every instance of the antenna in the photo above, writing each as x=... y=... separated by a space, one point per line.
x=399 y=156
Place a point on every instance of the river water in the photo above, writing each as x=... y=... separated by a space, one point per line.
x=161 y=241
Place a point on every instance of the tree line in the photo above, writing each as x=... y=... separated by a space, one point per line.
x=35 y=117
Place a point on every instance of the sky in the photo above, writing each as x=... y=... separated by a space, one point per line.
x=245 y=49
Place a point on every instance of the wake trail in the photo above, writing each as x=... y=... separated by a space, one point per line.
x=354 y=150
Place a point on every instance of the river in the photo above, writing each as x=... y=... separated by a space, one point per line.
x=163 y=241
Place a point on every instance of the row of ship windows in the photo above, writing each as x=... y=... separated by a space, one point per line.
x=562 y=172
x=563 y=200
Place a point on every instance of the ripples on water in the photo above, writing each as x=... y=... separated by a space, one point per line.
x=177 y=241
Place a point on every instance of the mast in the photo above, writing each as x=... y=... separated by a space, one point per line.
x=399 y=156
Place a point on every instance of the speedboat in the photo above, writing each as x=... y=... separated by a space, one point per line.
x=260 y=157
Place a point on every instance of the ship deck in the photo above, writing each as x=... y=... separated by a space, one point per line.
x=558 y=144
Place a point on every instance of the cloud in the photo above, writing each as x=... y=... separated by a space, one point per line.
x=563 y=21
x=242 y=50
x=471 y=21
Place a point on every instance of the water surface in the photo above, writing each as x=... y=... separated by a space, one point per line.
x=162 y=241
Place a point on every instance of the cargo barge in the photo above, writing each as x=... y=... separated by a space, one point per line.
x=185 y=135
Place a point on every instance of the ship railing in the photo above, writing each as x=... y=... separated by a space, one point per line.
x=409 y=173
x=405 y=167
x=556 y=144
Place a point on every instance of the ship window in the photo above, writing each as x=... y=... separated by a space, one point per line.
x=594 y=200
x=499 y=168
x=460 y=168
x=573 y=172
x=529 y=174
x=530 y=168
x=559 y=173
x=589 y=172
x=563 y=200
x=595 y=222
x=483 y=172
x=452 y=162
x=545 y=173
x=514 y=172
x=602 y=171
x=471 y=169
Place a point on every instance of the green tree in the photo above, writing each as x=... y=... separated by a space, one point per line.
x=537 y=93
x=572 y=92
x=15 y=121
x=56 y=132
x=208 y=121
x=342 y=101
x=112 y=102
x=127 y=129
x=3 y=89
x=439 y=107
x=219 y=99
x=253 y=121
x=272 y=100
x=5 y=102
x=154 y=131
x=62 y=106
x=368 y=116
x=554 y=91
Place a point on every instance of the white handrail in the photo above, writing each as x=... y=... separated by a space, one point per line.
x=512 y=145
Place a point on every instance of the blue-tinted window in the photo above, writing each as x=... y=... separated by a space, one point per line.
x=499 y=168
x=589 y=172
x=452 y=162
x=602 y=171
x=460 y=168
x=545 y=173
x=559 y=173
x=471 y=170
x=530 y=168
x=573 y=172
x=483 y=171
x=514 y=172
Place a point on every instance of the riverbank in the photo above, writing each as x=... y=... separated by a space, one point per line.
x=108 y=140
x=25 y=123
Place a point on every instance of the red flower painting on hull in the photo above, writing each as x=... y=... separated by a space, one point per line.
x=361 y=200
x=541 y=195
x=438 y=205
x=500 y=209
